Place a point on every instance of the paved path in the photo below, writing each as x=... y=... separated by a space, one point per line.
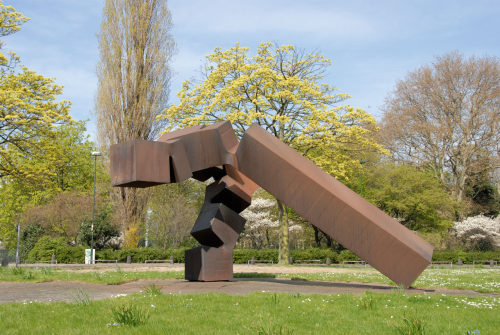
x=67 y=291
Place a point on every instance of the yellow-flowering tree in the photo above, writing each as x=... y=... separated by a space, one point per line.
x=30 y=118
x=28 y=110
x=10 y=22
x=279 y=88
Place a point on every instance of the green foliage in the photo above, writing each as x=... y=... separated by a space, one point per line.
x=347 y=255
x=466 y=257
x=314 y=254
x=174 y=208
x=29 y=236
x=72 y=167
x=412 y=196
x=129 y=315
x=240 y=256
x=42 y=150
x=243 y=256
x=139 y=255
x=46 y=246
x=59 y=202
x=485 y=197
x=104 y=230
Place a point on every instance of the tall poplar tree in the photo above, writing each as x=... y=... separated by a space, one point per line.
x=135 y=47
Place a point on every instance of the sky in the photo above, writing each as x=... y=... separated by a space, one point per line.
x=372 y=44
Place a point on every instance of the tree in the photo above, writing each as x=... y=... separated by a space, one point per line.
x=30 y=121
x=10 y=22
x=478 y=233
x=29 y=113
x=260 y=225
x=73 y=169
x=414 y=197
x=446 y=116
x=133 y=84
x=484 y=196
x=173 y=211
x=279 y=88
x=30 y=234
x=104 y=230
x=60 y=199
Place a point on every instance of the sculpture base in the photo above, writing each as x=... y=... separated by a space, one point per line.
x=205 y=263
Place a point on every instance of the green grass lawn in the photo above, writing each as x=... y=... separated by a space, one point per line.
x=481 y=280
x=257 y=313
x=108 y=277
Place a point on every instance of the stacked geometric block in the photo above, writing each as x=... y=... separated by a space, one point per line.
x=217 y=228
x=201 y=153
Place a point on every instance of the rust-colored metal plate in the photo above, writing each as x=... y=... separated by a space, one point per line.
x=326 y=203
x=209 y=264
x=262 y=160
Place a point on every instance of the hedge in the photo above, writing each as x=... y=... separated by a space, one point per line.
x=140 y=255
x=243 y=256
x=467 y=257
x=46 y=246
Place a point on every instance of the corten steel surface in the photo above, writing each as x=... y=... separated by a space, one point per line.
x=261 y=159
x=326 y=203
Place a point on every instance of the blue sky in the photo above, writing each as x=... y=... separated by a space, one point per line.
x=372 y=44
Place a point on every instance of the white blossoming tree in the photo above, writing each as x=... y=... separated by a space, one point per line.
x=262 y=227
x=478 y=232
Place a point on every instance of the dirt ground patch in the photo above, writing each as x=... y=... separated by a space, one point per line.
x=68 y=291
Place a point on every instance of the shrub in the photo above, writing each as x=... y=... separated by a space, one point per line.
x=139 y=255
x=29 y=236
x=104 y=231
x=46 y=246
x=314 y=254
x=242 y=256
x=108 y=254
x=348 y=255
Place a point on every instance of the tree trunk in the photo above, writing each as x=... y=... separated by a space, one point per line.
x=284 y=250
x=329 y=241
x=317 y=237
x=131 y=208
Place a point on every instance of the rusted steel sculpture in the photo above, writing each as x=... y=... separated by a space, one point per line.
x=238 y=169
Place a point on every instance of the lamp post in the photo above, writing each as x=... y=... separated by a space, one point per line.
x=361 y=176
x=95 y=154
